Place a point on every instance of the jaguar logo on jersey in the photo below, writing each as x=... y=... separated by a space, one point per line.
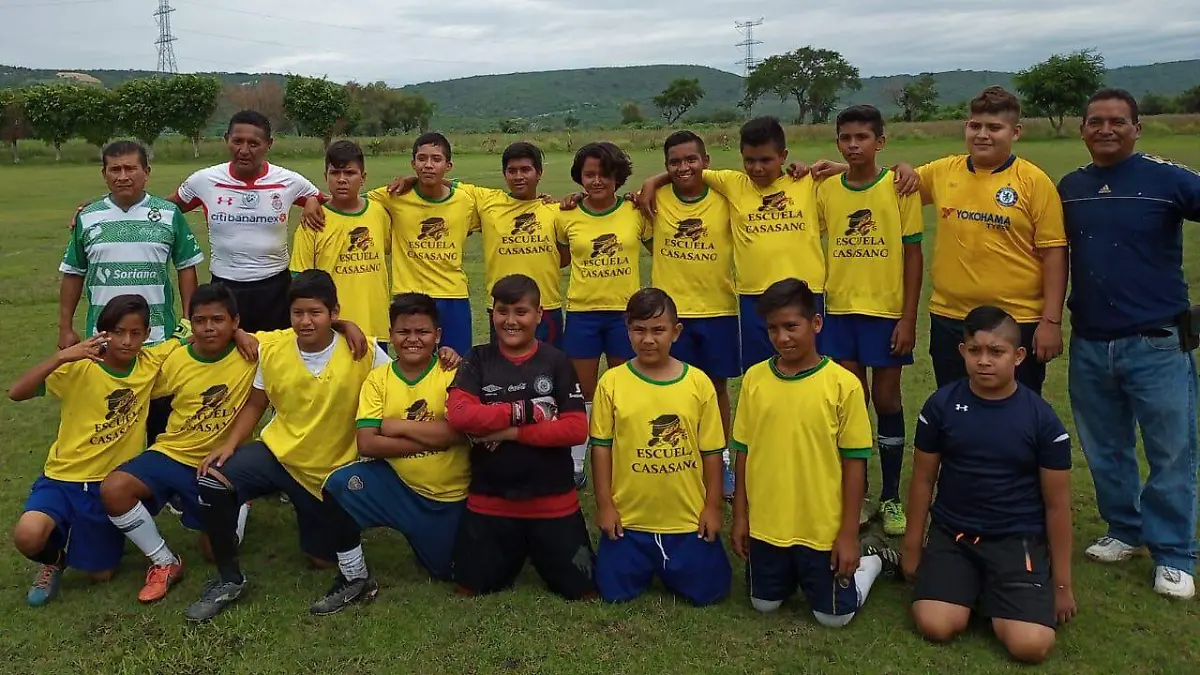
x=689 y=242
x=691 y=228
x=859 y=240
x=433 y=228
x=526 y=223
x=775 y=214
x=277 y=201
x=861 y=223
x=120 y=403
x=360 y=239
x=358 y=258
x=665 y=452
x=122 y=411
x=524 y=239
x=778 y=201
x=605 y=245
x=606 y=261
x=1006 y=196
x=419 y=411
x=211 y=416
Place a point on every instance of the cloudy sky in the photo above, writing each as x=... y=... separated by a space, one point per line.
x=402 y=41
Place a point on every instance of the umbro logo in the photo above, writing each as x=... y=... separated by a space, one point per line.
x=961 y=408
x=1104 y=190
x=491 y=389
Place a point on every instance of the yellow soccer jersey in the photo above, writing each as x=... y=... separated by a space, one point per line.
x=867 y=229
x=441 y=475
x=352 y=248
x=776 y=233
x=693 y=253
x=604 y=255
x=795 y=431
x=207 y=394
x=102 y=420
x=659 y=433
x=518 y=238
x=312 y=432
x=990 y=229
x=428 y=239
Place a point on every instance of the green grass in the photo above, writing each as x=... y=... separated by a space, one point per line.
x=416 y=625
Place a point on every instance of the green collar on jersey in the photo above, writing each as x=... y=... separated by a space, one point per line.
x=583 y=207
x=649 y=380
x=191 y=350
x=691 y=200
x=431 y=200
x=863 y=188
x=400 y=374
x=800 y=375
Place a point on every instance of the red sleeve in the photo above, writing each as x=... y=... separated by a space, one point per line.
x=190 y=206
x=465 y=413
x=303 y=199
x=569 y=429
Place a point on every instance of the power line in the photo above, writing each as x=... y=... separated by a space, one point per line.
x=747 y=28
x=54 y=4
x=166 y=39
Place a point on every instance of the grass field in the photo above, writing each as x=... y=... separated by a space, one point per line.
x=416 y=626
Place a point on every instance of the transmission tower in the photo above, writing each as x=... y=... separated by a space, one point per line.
x=747 y=28
x=166 y=48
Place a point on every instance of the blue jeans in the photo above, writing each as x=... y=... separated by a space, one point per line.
x=1148 y=382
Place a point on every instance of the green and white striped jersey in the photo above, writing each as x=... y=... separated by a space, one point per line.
x=119 y=252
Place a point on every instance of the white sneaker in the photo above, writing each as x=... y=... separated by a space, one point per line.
x=1174 y=583
x=1109 y=550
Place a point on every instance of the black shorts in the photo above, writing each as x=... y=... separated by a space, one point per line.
x=999 y=578
x=262 y=304
x=945 y=335
x=325 y=529
x=156 y=418
x=490 y=551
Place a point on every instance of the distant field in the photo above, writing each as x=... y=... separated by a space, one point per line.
x=416 y=626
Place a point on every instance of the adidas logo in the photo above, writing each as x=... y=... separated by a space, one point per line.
x=1104 y=190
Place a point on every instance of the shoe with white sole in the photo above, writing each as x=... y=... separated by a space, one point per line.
x=1109 y=550
x=1173 y=583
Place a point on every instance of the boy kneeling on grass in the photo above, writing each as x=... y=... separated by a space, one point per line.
x=999 y=539
x=656 y=440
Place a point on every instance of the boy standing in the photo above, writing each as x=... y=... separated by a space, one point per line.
x=999 y=539
x=874 y=285
x=520 y=402
x=656 y=442
x=353 y=244
x=802 y=438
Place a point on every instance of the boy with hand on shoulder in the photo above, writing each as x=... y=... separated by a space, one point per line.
x=656 y=441
x=999 y=539
x=802 y=438
x=104 y=384
x=874 y=285
x=520 y=403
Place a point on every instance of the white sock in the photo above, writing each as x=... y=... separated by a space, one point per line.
x=352 y=563
x=579 y=452
x=725 y=457
x=869 y=568
x=243 y=515
x=139 y=526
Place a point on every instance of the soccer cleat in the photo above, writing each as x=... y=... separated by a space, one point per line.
x=1109 y=550
x=891 y=557
x=727 y=483
x=159 y=580
x=1174 y=583
x=217 y=595
x=891 y=512
x=343 y=593
x=175 y=505
x=45 y=585
x=580 y=480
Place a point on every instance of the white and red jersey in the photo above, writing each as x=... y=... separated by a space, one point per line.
x=247 y=220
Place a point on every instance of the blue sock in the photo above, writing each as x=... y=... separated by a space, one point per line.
x=891 y=453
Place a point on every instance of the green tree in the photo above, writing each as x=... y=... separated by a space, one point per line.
x=316 y=105
x=53 y=112
x=917 y=100
x=813 y=77
x=1061 y=85
x=1189 y=101
x=415 y=112
x=679 y=97
x=191 y=102
x=1158 y=104
x=631 y=113
x=144 y=109
x=513 y=125
x=99 y=118
x=14 y=125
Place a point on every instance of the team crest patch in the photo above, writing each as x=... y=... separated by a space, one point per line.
x=861 y=223
x=667 y=429
x=605 y=245
x=155 y=215
x=354 y=484
x=526 y=223
x=250 y=199
x=360 y=239
x=1006 y=196
x=690 y=228
x=433 y=228
x=277 y=202
x=542 y=385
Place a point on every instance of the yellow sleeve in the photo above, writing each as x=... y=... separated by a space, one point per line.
x=645 y=225
x=725 y=181
x=930 y=174
x=912 y=218
x=164 y=384
x=602 y=428
x=370 y=401
x=156 y=355
x=380 y=195
x=742 y=436
x=854 y=425
x=63 y=378
x=1046 y=213
x=304 y=250
x=560 y=229
x=269 y=336
x=712 y=434
x=822 y=200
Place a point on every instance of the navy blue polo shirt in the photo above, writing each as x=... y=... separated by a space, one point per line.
x=1125 y=231
x=992 y=454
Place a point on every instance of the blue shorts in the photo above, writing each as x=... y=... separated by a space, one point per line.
x=756 y=345
x=695 y=569
x=167 y=478
x=591 y=335
x=865 y=340
x=372 y=493
x=454 y=314
x=711 y=344
x=774 y=572
x=82 y=527
x=550 y=330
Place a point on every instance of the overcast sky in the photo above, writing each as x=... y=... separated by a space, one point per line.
x=404 y=42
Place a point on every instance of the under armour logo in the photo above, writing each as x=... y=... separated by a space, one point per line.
x=961 y=408
x=225 y=200
x=355 y=483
